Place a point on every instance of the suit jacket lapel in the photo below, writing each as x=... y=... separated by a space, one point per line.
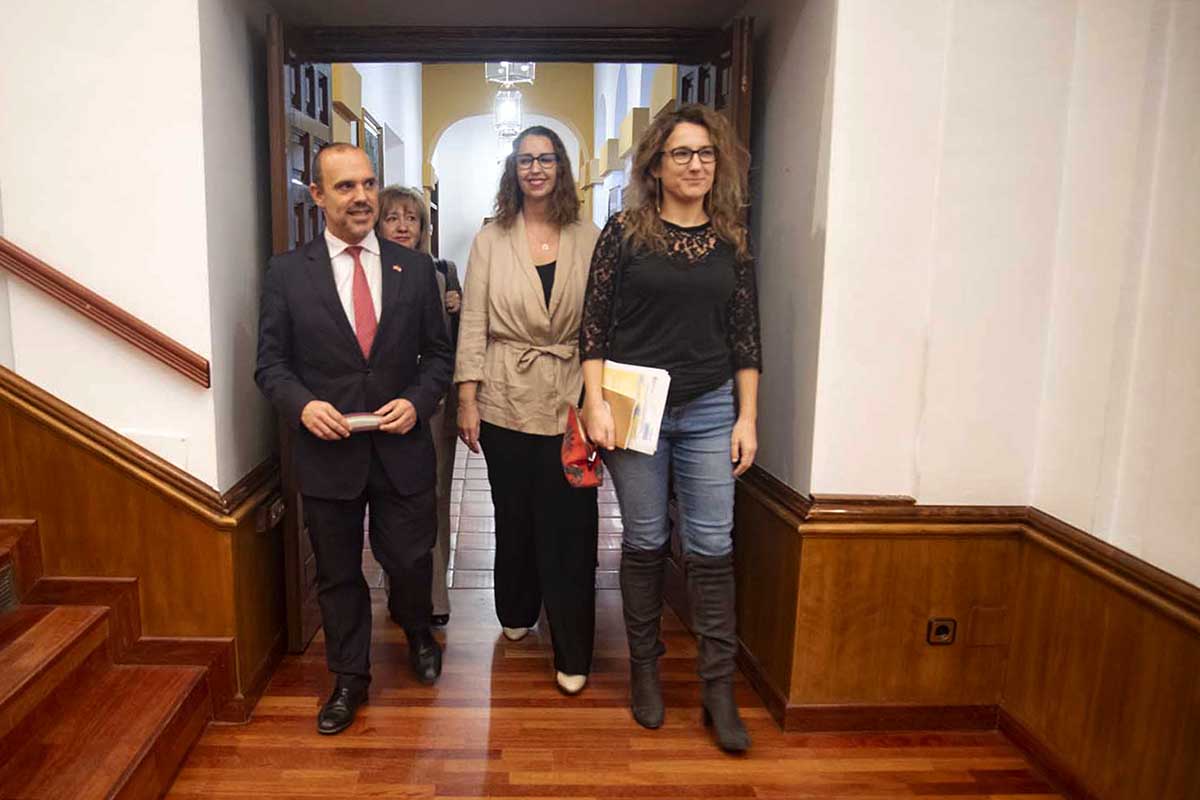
x=320 y=273
x=392 y=268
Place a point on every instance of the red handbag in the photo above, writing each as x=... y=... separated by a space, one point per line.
x=580 y=458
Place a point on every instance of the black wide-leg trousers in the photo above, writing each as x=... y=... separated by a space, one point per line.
x=403 y=530
x=546 y=536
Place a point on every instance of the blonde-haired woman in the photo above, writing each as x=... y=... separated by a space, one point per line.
x=672 y=286
x=518 y=369
x=404 y=219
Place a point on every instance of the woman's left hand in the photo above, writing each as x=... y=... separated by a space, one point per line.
x=453 y=301
x=743 y=445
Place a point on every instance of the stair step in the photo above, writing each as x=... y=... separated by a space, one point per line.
x=112 y=731
x=20 y=560
x=40 y=647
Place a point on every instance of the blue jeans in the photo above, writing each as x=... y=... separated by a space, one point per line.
x=693 y=448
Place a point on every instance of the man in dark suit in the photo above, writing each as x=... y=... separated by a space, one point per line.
x=352 y=324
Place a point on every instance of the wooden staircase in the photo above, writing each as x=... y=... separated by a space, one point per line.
x=79 y=718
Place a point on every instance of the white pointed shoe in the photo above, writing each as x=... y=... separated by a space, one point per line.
x=570 y=684
x=515 y=634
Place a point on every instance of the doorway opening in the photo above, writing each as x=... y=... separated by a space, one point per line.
x=420 y=102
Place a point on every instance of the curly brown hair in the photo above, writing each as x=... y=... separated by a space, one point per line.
x=564 y=202
x=725 y=204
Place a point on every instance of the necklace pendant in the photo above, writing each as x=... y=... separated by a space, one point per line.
x=545 y=246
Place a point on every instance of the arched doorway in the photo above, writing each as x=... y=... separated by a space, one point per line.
x=468 y=167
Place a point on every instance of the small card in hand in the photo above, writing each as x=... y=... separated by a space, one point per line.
x=363 y=422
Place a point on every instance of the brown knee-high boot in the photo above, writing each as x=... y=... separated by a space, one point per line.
x=711 y=593
x=642 y=573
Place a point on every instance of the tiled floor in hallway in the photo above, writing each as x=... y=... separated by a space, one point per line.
x=473 y=530
x=473 y=527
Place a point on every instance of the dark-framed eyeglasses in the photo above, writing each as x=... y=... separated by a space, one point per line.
x=683 y=155
x=547 y=160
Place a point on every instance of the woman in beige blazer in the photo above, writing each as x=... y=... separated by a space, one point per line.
x=517 y=369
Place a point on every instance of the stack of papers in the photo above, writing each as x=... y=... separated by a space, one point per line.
x=638 y=398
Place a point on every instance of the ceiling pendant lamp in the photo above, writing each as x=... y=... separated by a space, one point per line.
x=508 y=73
x=506 y=112
x=506 y=109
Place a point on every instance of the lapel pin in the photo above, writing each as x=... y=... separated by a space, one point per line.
x=398 y=268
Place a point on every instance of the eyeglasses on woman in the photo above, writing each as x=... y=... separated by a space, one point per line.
x=683 y=155
x=547 y=160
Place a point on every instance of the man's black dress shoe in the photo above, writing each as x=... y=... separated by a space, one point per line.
x=338 y=712
x=439 y=620
x=425 y=656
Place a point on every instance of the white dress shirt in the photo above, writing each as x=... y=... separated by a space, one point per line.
x=343 y=272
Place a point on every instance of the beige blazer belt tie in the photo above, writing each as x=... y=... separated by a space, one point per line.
x=533 y=352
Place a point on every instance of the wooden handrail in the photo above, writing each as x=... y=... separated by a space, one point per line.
x=104 y=313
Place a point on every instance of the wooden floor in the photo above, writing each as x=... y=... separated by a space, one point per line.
x=496 y=726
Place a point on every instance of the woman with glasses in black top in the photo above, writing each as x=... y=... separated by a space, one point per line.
x=672 y=286
x=517 y=369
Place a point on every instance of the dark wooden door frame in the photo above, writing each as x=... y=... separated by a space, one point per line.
x=457 y=44
x=684 y=46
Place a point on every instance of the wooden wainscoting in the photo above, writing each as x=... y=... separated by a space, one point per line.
x=1084 y=655
x=836 y=595
x=1103 y=688
x=767 y=517
x=206 y=565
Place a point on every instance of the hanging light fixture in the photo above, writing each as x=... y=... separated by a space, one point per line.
x=506 y=109
x=508 y=73
x=506 y=112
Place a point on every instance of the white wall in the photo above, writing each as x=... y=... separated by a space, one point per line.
x=890 y=64
x=1006 y=86
x=237 y=197
x=617 y=89
x=6 y=351
x=1010 y=272
x=1119 y=432
x=101 y=160
x=606 y=124
x=6 y=348
x=392 y=93
x=465 y=158
x=148 y=183
x=793 y=85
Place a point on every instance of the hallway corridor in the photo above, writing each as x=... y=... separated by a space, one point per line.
x=495 y=725
x=473 y=526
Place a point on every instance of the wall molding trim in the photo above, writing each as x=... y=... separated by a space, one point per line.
x=830 y=516
x=1139 y=579
x=1054 y=768
x=225 y=510
x=105 y=313
x=864 y=718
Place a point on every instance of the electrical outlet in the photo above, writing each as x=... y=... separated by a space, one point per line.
x=941 y=630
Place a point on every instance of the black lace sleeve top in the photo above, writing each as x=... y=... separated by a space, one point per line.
x=692 y=310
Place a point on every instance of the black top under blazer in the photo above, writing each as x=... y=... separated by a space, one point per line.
x=307 y=351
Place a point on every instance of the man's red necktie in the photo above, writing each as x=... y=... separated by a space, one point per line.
x=364 y=309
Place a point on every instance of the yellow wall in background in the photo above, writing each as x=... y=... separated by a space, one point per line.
x=347 y=98
x=451 y=92
x=663 y=88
